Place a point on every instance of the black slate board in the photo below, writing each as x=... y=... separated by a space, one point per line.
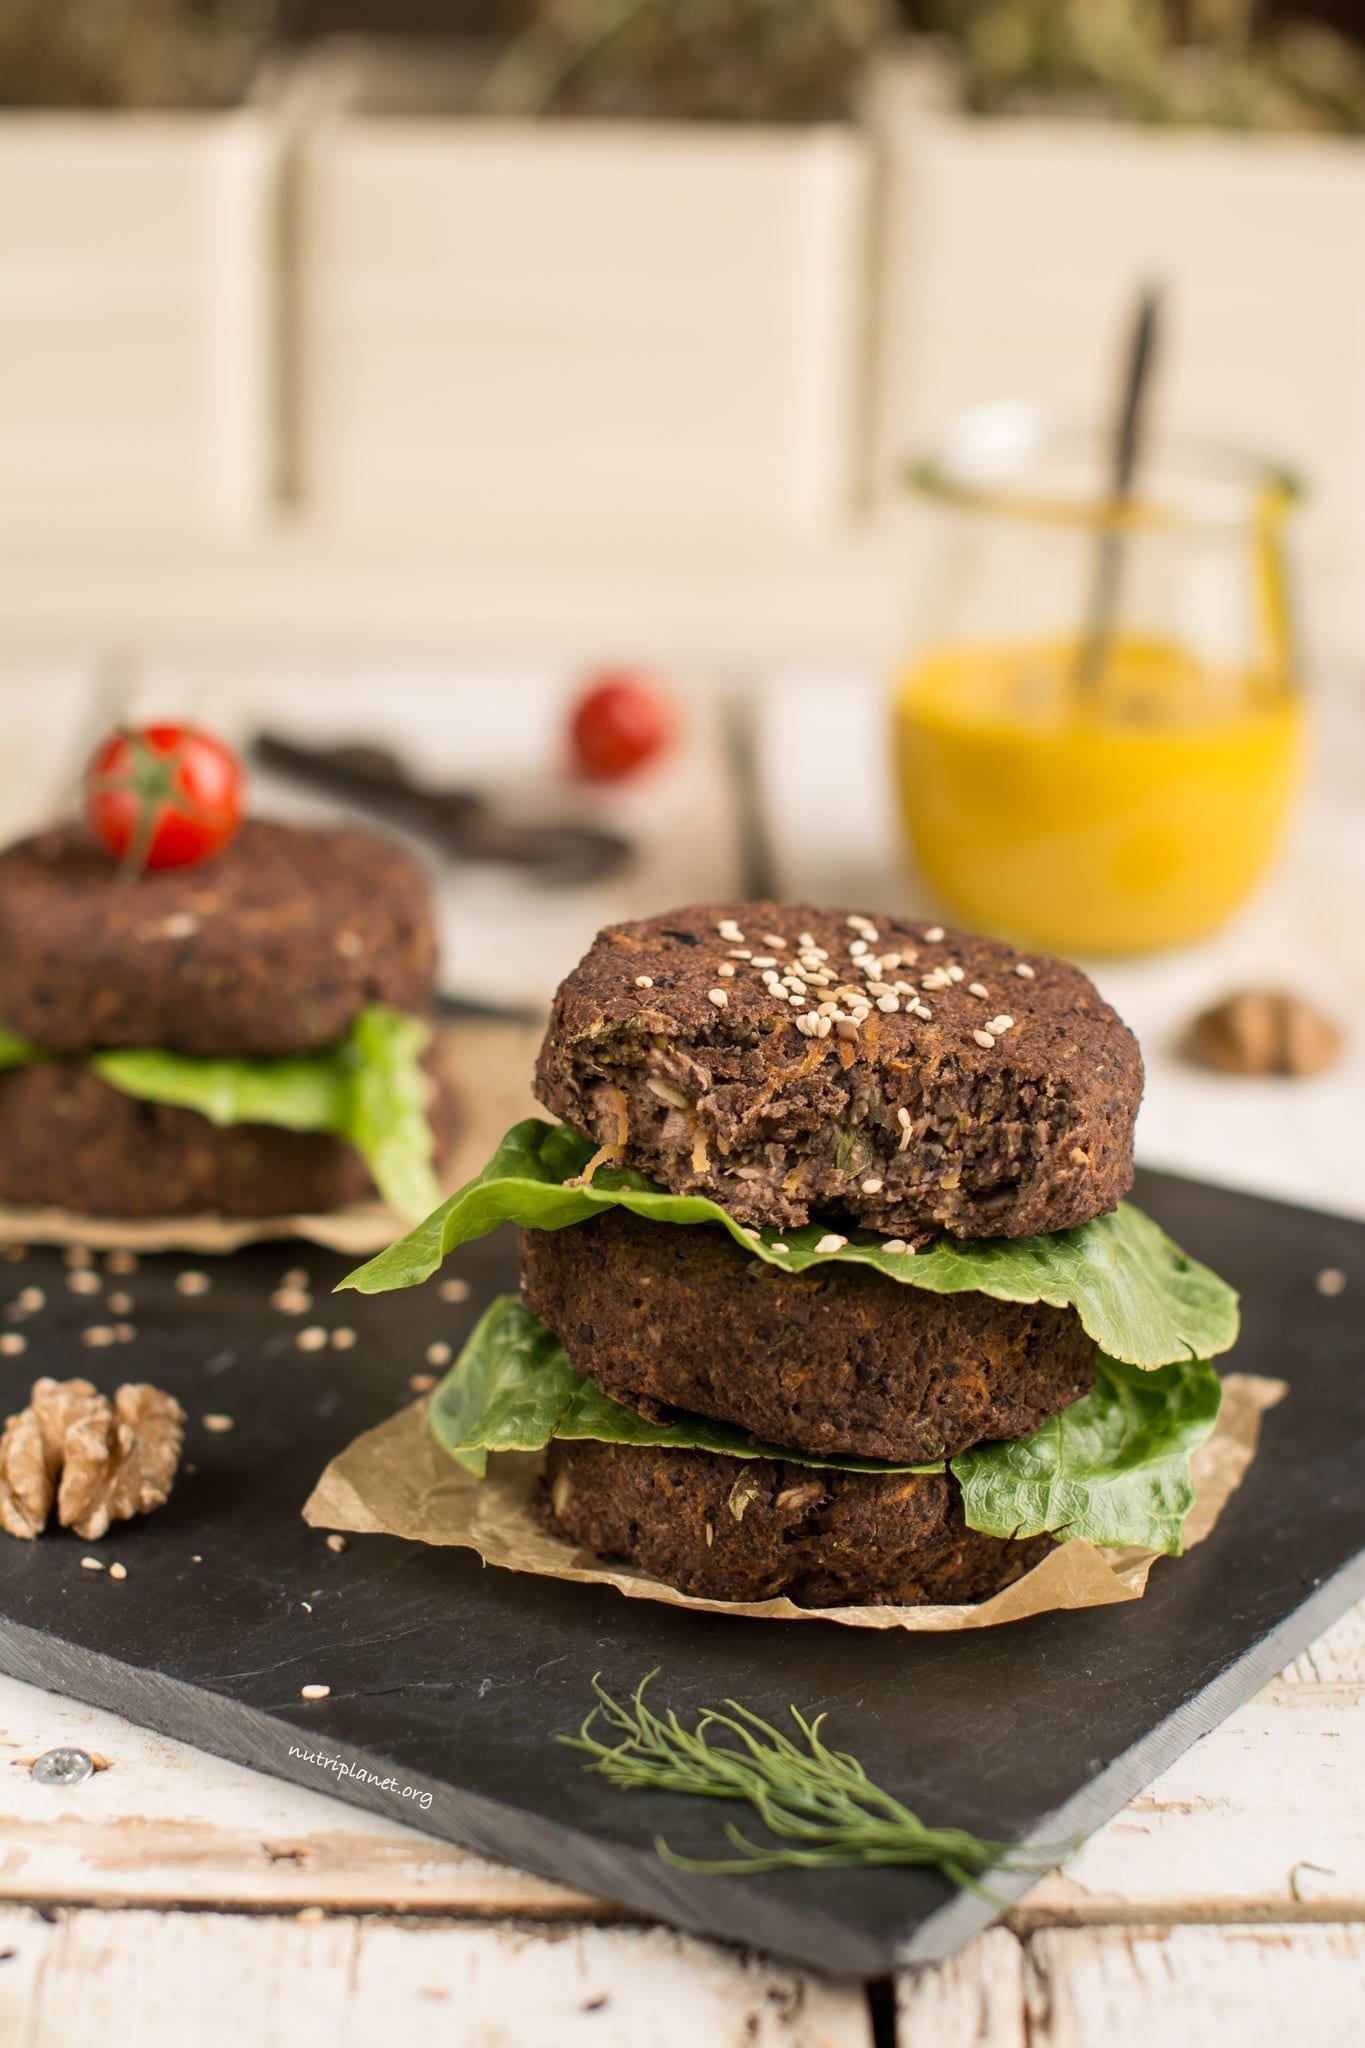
x=452 y=1679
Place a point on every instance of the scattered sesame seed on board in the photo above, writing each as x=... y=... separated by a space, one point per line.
x=1024 y=971
x=764 y=960
x=92 y=1564
x=77 y=1255
x=192 y=1281
x=730 y=932
x=218 y=1425
x=421 y=1382
x=984 y=1040
x=889 y=1004
x=1002 y=1023
x=645 y=980
x=934 y=934
x=12 y=1343
x=977 y=988
x=1331 y=1281
x=291 y=1301
x=315 y=1692
x=454 y=1290
x=295 y=1277
x=831 y=1242
x=120 y=1304
x=438 y=1353
x=313 y=1338
x=83 y=1282
x=726 y=970
x=118 y=1571
x=29 y=1300
x=956 y=973
x=336 y=1543
x=121 y=1262
x=124 y=1332
x=343 y=1338
x=718 y=997
x=98 y=1337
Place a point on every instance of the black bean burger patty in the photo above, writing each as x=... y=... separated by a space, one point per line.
x=271 y=948
x=839 y=1360
x=788 y=1060
x=69 y=1140
x=749 y=1529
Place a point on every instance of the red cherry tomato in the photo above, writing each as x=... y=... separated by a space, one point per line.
x=164 y=796
x=621 y=721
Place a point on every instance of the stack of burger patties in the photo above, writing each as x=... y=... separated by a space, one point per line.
x=827 y=1288
x=247 y=1037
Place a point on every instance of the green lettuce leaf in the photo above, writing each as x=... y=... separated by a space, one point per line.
x=1114 y=1466
x=1137 y=1294
x=370 y=1090
x=513 y=1389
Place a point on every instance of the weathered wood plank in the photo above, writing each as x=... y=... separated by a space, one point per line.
x=975 y=2000
x=1248 y=1987
x=220 y=1980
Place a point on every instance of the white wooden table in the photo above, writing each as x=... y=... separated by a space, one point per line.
x=175 y=1899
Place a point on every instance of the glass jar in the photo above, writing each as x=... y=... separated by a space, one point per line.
x=1099 y=731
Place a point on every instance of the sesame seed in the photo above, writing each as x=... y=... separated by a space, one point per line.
x=1002 y=1023
x=890 y=960
x=797 y=997
x=763 y=960
x=454 y=1290
x=77 y=1255
x=120 y=1304
x=336 y=1543
x=192 y=1282
x=740 y=953
x=343 y=1338
x=118 y=1571
x=718 y=997
x=730 y=932
x=956 y=973
x=314 y=1338
x=1331 y=1281
x=976 y=988
x=124 y=1332
x=291 y=1301
x=934 y=934
x=775 y=940
x=29 y=1300
x=1024 y=971
x=777 y=1247
x=749 y=1231
x=98 y=1337
x=922 y=1010
x=12 y=1343
x=904 y=988
x=218 y=1425
x=825 y=1027
x=14 y=1252
x=804 y=1026
x=438 y=1353
x=984 y=1040
x=726 y=970
x=872 y=1186
x=903 y=1118
x=895 y=1244
x=647 y=980
x=82 y=1282
x=857 y=949
x=92 y=1564
x=889 y=1003
x=806 y=940
x=349 y=944
x=295 y=1277
x=121 y=1262
x=846 y=1028
x=421 y=1382
x=831 y=1242
x=314 y=1692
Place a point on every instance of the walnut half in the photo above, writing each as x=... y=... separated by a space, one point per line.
x=98 y=1461
x=1262 y=1031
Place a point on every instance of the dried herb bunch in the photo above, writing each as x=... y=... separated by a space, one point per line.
x=703 y=60
x=1210 y=63
x=129 y=53
x=819 y=1804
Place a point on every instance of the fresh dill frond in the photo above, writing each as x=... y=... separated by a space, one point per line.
x=818 y=1803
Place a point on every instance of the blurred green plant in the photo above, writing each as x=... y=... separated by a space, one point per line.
x=699 y=60
x=129 y=53
x=1206 y=63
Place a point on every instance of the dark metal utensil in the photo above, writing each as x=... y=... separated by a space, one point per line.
x=460 y=822
x=1127 y=448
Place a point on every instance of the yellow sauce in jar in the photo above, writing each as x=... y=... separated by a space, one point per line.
x=1135 y=815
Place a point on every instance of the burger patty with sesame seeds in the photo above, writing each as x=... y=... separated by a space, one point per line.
x=270 y=949
x=838 y=1361
x=787 y=1060
x=722 y=1528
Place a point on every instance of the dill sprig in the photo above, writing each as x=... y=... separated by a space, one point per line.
x=819 y=1803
